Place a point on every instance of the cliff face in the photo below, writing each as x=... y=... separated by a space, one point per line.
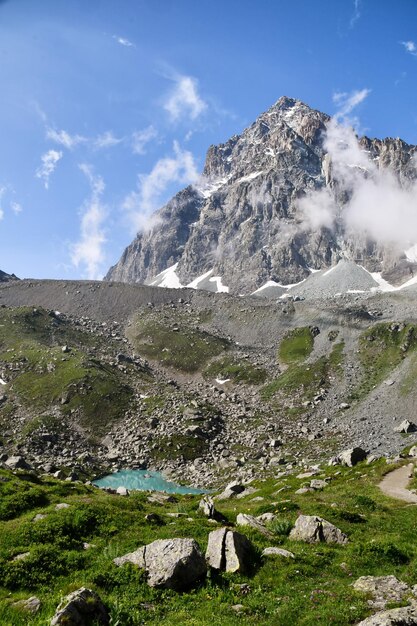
x=243 y=221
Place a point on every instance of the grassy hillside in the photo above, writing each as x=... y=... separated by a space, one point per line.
x=314 y=588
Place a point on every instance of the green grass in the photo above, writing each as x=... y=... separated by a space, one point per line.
x=301 y=382
x=382 y=348
x=187 y=348
x=43 y=377
x=315 y=589
x=237 y=370
x=296 y=346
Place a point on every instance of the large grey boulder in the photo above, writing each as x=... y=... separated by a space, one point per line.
x=352 y=456
x=231 y=491
x=80 y=608
x=17 y=462
x=315 y=529
x=383 y=589
x=405 y=427
x=229 y=551
x=169 y=563
x=404 y=616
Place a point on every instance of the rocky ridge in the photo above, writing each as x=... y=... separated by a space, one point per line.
x=242 y=221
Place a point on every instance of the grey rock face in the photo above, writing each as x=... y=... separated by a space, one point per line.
x=314 y=529
x=229 y=551
x=80 y=608
x=169 y=563
x=242 y=219
x=405 y=616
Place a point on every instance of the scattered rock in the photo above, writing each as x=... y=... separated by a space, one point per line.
x=404 y=616
x=206 y=505
x=31 y=605
x=229 y=551
x=352 y=456
x=272 y=551
x=62 y=505
x=17 y=462
x=231 y=491
x=169 y=563
x=314 y=529
x=80 y=608
x=383 y=589
x=244 y=519
x=122 y=491
x=405 y=427
x=343 y=406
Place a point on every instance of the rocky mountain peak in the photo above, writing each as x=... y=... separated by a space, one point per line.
x=241 y=225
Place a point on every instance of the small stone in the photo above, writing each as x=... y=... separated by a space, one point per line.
x=272 y=551
x=31 y=605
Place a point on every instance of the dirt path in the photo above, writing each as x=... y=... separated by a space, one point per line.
x=395 y=484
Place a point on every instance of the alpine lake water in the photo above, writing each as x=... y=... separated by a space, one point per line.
x=143 y=480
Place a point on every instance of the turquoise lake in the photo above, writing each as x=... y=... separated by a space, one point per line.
x=143 y=480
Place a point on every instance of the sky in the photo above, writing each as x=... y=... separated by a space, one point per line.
x=108 y=107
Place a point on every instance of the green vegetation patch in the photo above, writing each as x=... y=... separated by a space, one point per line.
x=314 y=589
x=43 y=376
x=237 y=370
x=180 y=346
x=302 y=381
x=382 y=348
x=296 y=346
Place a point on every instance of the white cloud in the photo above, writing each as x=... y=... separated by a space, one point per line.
x=348 y=101
x=63 y=138
x=141 y=138
x=106 y=140
x=356 y=14
x=124 y=42
x=378 y=206
x=410 y=46
x=88 y=250
x=139 y=205
x=184 y=99
x=16 y=207
x=49 y=162
x=2 y=192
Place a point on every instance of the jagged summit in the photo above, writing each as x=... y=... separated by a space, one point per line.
x=4 y=278
x=242 y=221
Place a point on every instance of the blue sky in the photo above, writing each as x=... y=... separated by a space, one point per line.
x=107 y=107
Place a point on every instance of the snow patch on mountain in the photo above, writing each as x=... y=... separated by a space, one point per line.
x=168 y=278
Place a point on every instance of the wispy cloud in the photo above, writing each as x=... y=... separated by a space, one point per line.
x=184 y=99
x=410 y=46
x=346 y=103
x=139 y=205
x=63 y=138
x=16 y=207
x=107 y=140
x=356 y=14
x=49 y=162
x=141 y=138
x=88 y=250
x=124 y=42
